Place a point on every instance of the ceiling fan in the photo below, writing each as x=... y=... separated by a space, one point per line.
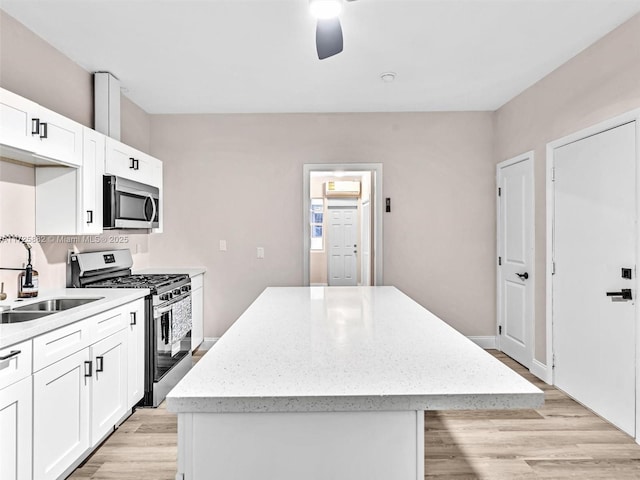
x=329 y=41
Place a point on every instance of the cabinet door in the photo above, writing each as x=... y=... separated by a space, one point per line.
x=127 y=162
x=197 y=311
x=109 y=384
x=15 y=121
x=135 y=360
x=90 y=208
x=60 y=415
x=15 y=431
x=59 y=138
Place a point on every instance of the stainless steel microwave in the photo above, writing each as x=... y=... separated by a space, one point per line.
x=129 y=204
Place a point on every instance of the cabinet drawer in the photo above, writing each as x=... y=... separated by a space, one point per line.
x=197 y=282
x=60 y=343
x=15 y=366
x=107 y=323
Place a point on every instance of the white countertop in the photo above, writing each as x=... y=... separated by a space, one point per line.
x=346 y=349
x=191 y=271
x=111 y=298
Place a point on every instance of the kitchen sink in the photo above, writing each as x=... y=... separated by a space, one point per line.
x=55 y=305
x=16 y=317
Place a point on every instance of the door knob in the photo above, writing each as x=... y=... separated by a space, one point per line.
x=625 y=294
x=523 y=276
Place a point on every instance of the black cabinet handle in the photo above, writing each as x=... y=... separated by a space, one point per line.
x=625 y=293
x=132 y=165
x=89 y=216
x=523 y=276
x=43 y=134
x=88 y=364
x=12 y=353
x=137 y=164
x=35 y=126
x=133 y=318
x=99 y=364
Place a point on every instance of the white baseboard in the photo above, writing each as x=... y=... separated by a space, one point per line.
x=541 y=371
x=485 y=342
x=208 y=342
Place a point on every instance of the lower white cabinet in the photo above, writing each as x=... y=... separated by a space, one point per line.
x=61 y=394
x=134 y=313
x=197 y=311
x=15 y=430
x=108 y=384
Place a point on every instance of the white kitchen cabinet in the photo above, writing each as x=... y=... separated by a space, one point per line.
x=127 y=162
x=61 y=408
x=80 y=389
x=15 y=412
x=89 y=208
x=134 y=312
x=15 y=430
x=197 y=311
x=34 y=134
x=69 y=200
x=108 y=384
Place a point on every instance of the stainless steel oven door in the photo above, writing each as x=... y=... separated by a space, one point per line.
x=129 y=204
x=172 y=334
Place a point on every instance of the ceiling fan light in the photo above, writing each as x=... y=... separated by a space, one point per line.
x=324 y=9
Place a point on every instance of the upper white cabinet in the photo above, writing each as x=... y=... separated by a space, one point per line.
x=127 y=162
x=34 y=134
x=69 y=200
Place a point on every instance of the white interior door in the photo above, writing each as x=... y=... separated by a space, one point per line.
x=594 y=239
x=343 y=243
x=516 y=253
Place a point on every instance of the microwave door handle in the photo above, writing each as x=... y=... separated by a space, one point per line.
x=155 y=210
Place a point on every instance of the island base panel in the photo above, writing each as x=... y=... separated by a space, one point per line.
x=291 y=446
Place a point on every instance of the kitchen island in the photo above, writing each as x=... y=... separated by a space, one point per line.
x=331 y=383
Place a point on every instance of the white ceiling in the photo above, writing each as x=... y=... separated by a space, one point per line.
x=206 y=56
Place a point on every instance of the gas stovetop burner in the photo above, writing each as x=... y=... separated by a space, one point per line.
x=155 y=282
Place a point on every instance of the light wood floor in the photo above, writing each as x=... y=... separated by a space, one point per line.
x=558 y=441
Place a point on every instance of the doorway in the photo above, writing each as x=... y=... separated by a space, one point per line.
x=516 y=258
x=593 y=269
x=330 y=193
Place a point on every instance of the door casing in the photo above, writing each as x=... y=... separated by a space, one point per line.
x=618 y=121
x=377 y=207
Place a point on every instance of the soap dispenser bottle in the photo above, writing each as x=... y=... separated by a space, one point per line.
x=28 y=283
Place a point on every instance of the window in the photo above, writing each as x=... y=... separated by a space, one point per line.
x=316 y=220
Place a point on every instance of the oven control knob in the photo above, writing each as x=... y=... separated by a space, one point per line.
x=176 y=292
x=165 y=296
x=186 y=288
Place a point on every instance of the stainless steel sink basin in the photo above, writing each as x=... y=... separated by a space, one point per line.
x=16 y=317
x=55 y=304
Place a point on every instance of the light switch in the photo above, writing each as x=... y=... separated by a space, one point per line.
x=223 y=245
x=260 y=252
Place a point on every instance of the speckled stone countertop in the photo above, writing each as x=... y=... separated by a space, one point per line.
x=109 y=298
x=306 y=349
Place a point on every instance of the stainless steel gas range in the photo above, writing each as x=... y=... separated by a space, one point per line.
x=167 y=315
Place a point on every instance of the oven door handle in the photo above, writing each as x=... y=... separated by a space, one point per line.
x=166 y=306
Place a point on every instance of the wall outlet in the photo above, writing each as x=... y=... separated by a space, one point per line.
x=260 y=253
x=223 y=245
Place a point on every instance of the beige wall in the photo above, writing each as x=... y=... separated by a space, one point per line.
x=239 y=178
x=600 y=83
x=34 y=69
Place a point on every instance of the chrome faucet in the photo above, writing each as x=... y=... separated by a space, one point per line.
x=28 y=281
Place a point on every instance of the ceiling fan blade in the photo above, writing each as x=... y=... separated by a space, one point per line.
x=328 y=37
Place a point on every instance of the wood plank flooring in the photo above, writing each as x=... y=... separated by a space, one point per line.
x=561 y=440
